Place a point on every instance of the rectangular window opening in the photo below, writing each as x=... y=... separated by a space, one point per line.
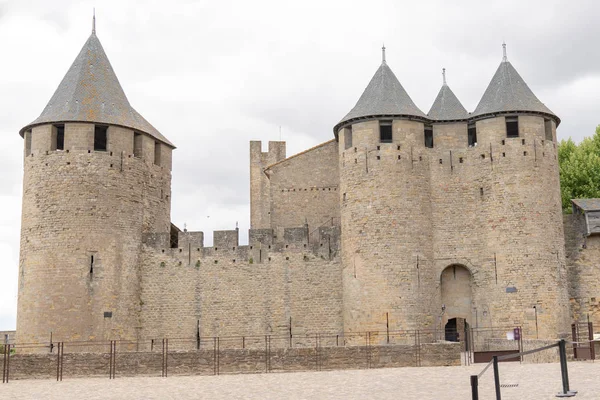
x=92 y=264
x=548 y=129
x=137 y=144
x=385 y=131
x=28 y=143
x=156 y=153
x=58 y=137
x=100 y=137
x=512 y=127
x=429 y=136
x=472 y=135
x=347 y=137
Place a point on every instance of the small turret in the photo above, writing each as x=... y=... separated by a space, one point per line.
x=446 y=106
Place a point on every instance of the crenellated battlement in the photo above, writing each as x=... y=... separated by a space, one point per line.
x=500 y=153
x=265 y=245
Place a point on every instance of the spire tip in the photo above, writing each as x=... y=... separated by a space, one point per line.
x=444 y=75
x=504 y=57
x=383 y=54
x=94 y=22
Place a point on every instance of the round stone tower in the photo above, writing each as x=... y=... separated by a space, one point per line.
x=385 y=209
x=97 y=176
x=520 y=199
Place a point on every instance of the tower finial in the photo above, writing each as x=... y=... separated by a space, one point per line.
x=383 y=54
x=94 y=22
x=504 y=58
x=444 y=75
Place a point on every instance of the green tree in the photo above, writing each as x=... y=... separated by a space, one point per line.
x=579 y=167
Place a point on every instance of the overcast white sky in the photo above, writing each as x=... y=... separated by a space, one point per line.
x=212 y=75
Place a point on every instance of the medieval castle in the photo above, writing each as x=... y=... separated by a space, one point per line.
x=403 y=220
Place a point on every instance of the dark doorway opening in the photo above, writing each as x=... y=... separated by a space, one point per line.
x=455 y=329
x=451 y=332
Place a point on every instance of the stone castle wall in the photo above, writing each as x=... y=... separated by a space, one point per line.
x=84 y=213
x=260 y=189
x=409 y=212
x=583 y=257
x=496 y=211
x=304 y=189
x=231 y=290
x=207 y=361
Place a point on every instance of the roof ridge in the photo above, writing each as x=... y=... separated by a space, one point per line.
x=299 y=154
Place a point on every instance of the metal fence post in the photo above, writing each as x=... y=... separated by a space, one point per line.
x=562 y=352
x=474 y=387
x=5 y=364
x=166 y=358
x=497 y=379
x=266 y=356
x=214 y=355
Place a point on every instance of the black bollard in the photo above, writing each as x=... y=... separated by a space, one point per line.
x=562 y=352
x=474 y=387
x=497 y=378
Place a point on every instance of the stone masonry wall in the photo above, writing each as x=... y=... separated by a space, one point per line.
x=230 y=290
x=260 y=192
x=583 y=257
x=232 y=361
x=410 y=212
x=496 y=211
x=386 y=229
x=304 y=188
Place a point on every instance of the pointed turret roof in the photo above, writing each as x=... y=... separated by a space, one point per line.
x=446 y=106
x=91 y=92
x=508 y=92
x=384 y=96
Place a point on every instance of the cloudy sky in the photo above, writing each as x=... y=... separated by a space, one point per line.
x=213 y=75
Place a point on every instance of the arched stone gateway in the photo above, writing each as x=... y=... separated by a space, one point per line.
x=456 y=301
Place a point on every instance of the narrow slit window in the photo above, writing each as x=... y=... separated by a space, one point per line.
x=58 y=137
x=429 y=136
x=28 y=143
x=92 y=264
x=472 y=135
x=385 y=131
x=137 y=144
x=156 y=153
x=548 y=129
x=512 y=127
x=100 y=138
x=347 y=137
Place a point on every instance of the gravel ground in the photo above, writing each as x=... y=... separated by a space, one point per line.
x=535 y=381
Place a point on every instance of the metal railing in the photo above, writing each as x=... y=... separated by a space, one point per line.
x=213 y=355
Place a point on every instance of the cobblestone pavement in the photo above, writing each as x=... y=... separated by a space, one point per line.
x=535 y=381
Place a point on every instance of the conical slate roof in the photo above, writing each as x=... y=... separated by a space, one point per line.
x=91 y=92
x=508 y=92
x=447 y=107
x=384 y=96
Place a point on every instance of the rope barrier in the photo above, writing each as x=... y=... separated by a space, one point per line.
x=566 y=392
x=524 y=353
x=485 y=369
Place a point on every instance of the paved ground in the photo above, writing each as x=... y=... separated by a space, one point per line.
x=535 y=381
